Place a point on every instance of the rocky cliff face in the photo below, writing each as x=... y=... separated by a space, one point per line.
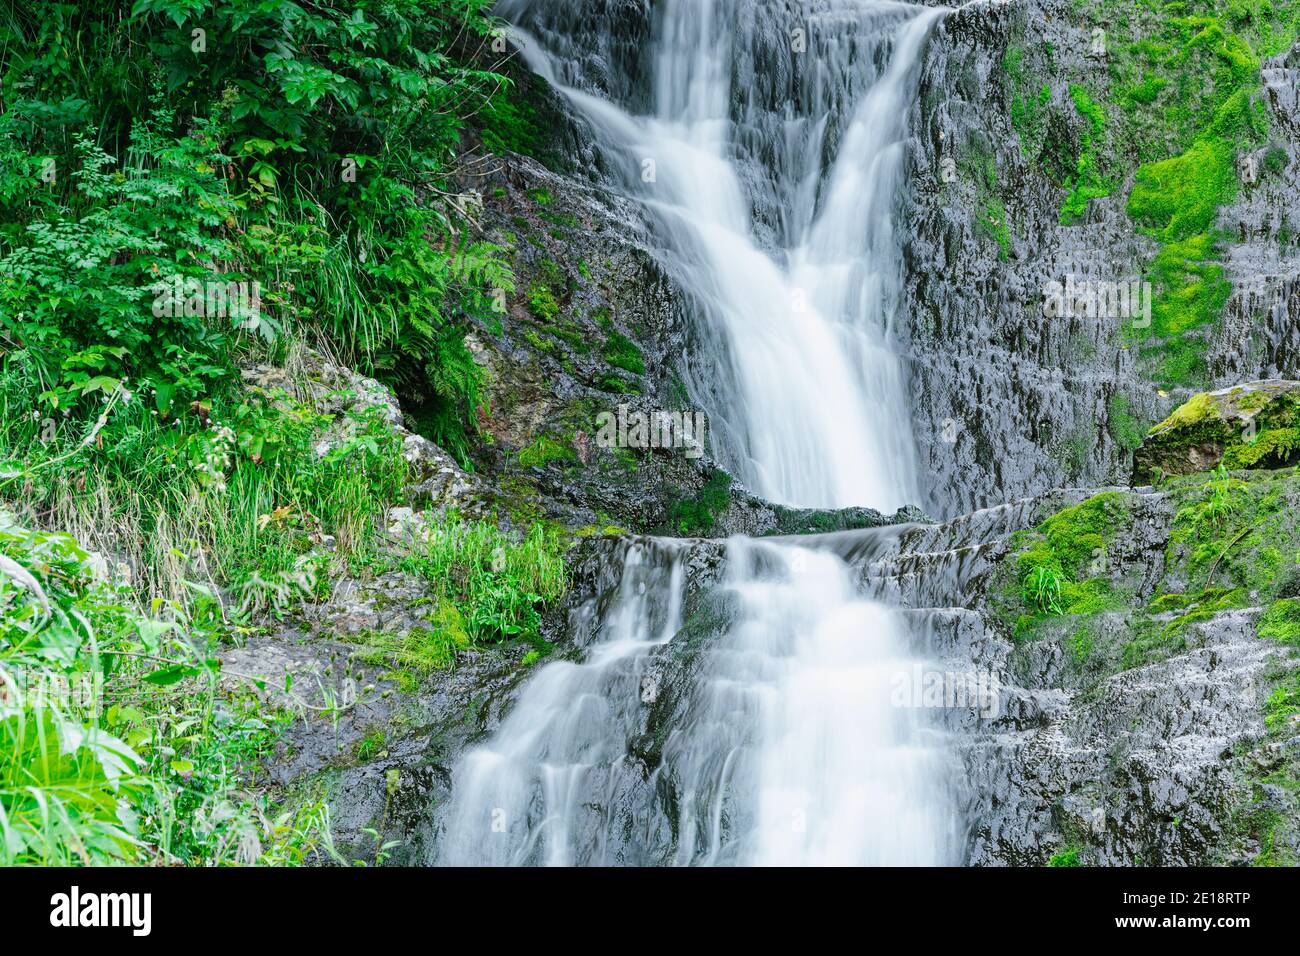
x=1010 y=401
x=1134 y=728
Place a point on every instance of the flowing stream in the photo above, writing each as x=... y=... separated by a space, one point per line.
x=765 y=141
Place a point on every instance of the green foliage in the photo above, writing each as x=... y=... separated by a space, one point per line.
x=115 y=744
x=76 y=285
x=512 y=122
x=237 y=493
x=1042 y=588
x=1281 y=622
x=369 y=746
x=315 y=166
x=1061 y=566
x=489 y=585
x=544 y=449
x=991 y=217
x=542 y=302
x=1069 y=856
x=1283 y=704
x=1028 y=106
x=622 y=352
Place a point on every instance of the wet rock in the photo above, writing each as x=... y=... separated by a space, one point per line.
x=1254 y=424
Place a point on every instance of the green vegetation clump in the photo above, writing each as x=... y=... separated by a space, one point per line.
x=542 y=302
x=1124 y=428
x=1281 y=622
x=116 y=740
x=1178 y=198
x=1061 y=565
x=369 y=746
x=1028 y=105
x=488 y=587
x=1085 y=182
x=978 y=167
x=1069 y=856
x=495 y=582
x=544 y=449
x=622 y=352
x=298 y=173
x=1275 y=446
x=696 y=516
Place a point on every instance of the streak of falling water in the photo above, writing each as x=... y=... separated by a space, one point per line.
x=770 y=173
x=793 y=749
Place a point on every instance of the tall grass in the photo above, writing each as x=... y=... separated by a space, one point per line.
x=115 y=746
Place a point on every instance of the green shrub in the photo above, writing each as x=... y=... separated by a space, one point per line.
x=115 y=745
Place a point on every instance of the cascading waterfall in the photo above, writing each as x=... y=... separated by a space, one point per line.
x=768 y=154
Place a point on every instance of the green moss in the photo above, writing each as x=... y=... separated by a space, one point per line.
x=369 y=746
x=1258 y=429
x=1281 y=622
x=544 y=449
x=622 y=352
x=511 y=120
x=1154 y=640
x=1124 y=428
x=1081 y=645
x=1178 y=198
x=542 y=302
x=1275 y=446
x=1189 y=286
x=1086 y=183
x=1283 y=705
x=696 y=516
x=617 y=384
x=979 y=167
x=1184 y=99
x=1069 y=856
x=1061 y=566
x=1197 y=409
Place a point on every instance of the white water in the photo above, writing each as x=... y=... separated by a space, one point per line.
x=794 y=735
x=786 y=747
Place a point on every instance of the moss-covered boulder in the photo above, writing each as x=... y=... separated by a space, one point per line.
x=1255 y=425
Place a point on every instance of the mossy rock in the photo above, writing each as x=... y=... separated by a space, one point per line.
x=1255 y=425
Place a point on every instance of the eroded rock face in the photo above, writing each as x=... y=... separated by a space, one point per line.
x=1009 y=401
x=1132 y=766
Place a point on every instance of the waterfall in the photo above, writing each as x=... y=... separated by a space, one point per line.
x=790 y=257
x=765 y=144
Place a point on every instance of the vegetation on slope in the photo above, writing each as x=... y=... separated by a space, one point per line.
x=188 y=188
